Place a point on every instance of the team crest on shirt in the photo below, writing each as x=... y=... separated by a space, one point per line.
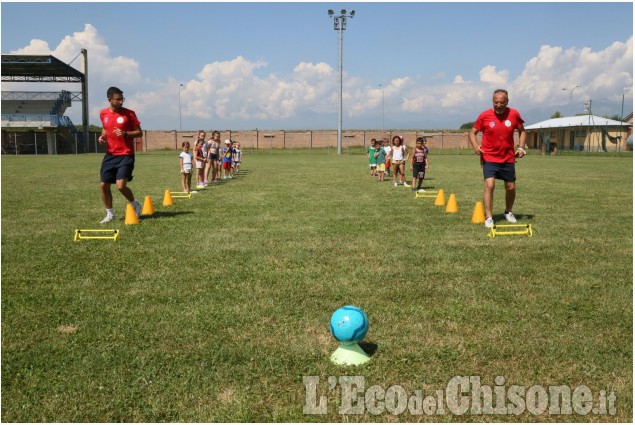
x=120 y=120
x=105 y=119
x=492 y=124
x=508 y=123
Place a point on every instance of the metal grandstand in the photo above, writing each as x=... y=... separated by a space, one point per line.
x=25 y=113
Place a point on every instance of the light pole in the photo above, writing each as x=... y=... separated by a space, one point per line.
x=382 y=110
x=339 y=24
x=571 y=93
x=180 y=122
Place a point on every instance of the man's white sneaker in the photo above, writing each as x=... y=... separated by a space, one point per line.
x=489 y=222
x=395 y=184
x=137 y=208
x=107 y=219
x=509 y=216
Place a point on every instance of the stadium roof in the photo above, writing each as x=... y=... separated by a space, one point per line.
x=38 y=68
x=577 y=121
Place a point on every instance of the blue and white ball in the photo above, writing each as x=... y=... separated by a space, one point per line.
x=349 y=324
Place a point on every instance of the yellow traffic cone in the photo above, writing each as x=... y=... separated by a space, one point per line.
x=478 y=217
x=167 y=198
x=440 y=200
x=452 y=206
x=148 y=208
x=131 y=216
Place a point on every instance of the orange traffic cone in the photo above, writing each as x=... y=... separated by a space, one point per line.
x=478 y=217
x=167 y=198
x=440 y=200
x=452 y=206
x=131 y=216
x=148 y=208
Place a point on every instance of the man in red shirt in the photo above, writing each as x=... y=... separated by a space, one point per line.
x=497 y=152
x=120 y=127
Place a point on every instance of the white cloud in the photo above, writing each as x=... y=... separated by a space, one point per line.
x=490 y=76
x=600 y=74
x=241 y=90
x=459 y=80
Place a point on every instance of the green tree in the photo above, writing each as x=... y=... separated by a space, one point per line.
x=556 y=114
x=615 y=117
x=467 y=126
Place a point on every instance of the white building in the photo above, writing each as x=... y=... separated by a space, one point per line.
x=581 y=132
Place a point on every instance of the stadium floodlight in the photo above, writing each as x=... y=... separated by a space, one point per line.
x=339 y=24
x=571 y=93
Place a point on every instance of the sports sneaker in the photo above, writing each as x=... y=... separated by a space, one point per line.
x=137 y=208
x=489 y=222
x=509 y=216
x=405 y=184
x=200 y=186
x=107 y=219
x=395 y=184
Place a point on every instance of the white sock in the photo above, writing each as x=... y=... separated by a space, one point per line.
x=109 y=211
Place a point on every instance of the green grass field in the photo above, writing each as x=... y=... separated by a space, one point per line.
x=216 y=309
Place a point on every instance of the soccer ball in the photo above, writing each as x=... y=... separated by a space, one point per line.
x=349 y=324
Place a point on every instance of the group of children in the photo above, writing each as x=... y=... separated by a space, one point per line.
x=209 y=157
x=381 y=157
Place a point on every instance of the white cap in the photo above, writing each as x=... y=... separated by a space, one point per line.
x=228 y=141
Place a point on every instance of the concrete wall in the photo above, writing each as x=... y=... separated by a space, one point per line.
x=308 y=139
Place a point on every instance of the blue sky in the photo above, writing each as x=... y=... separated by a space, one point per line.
x=274 y=65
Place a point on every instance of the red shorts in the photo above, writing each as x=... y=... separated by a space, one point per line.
x=227 y=165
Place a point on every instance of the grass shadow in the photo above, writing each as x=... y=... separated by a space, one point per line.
x=369 y=347
x=161 y=214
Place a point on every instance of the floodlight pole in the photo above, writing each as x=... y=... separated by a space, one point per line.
x=180 y=122
x=339 y=24
x=382 y=110
x=571 y=93
x=85 y=118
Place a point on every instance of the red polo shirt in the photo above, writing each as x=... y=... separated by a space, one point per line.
x=124 y=119
x=498 y=134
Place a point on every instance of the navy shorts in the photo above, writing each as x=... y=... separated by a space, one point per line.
x=419 y=170
x=116 y=167
x=499 y=170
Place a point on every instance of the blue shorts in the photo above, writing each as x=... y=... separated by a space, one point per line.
x=116 y=167
x=499 y=170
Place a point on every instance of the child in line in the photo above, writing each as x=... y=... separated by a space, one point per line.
x=381 y=162
x=398 y=156
x=419 y=164
x=387 y=149
x=185 y=160
x=372 y=160
x=237 y=158
x=226 y=155
x=200 y=164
